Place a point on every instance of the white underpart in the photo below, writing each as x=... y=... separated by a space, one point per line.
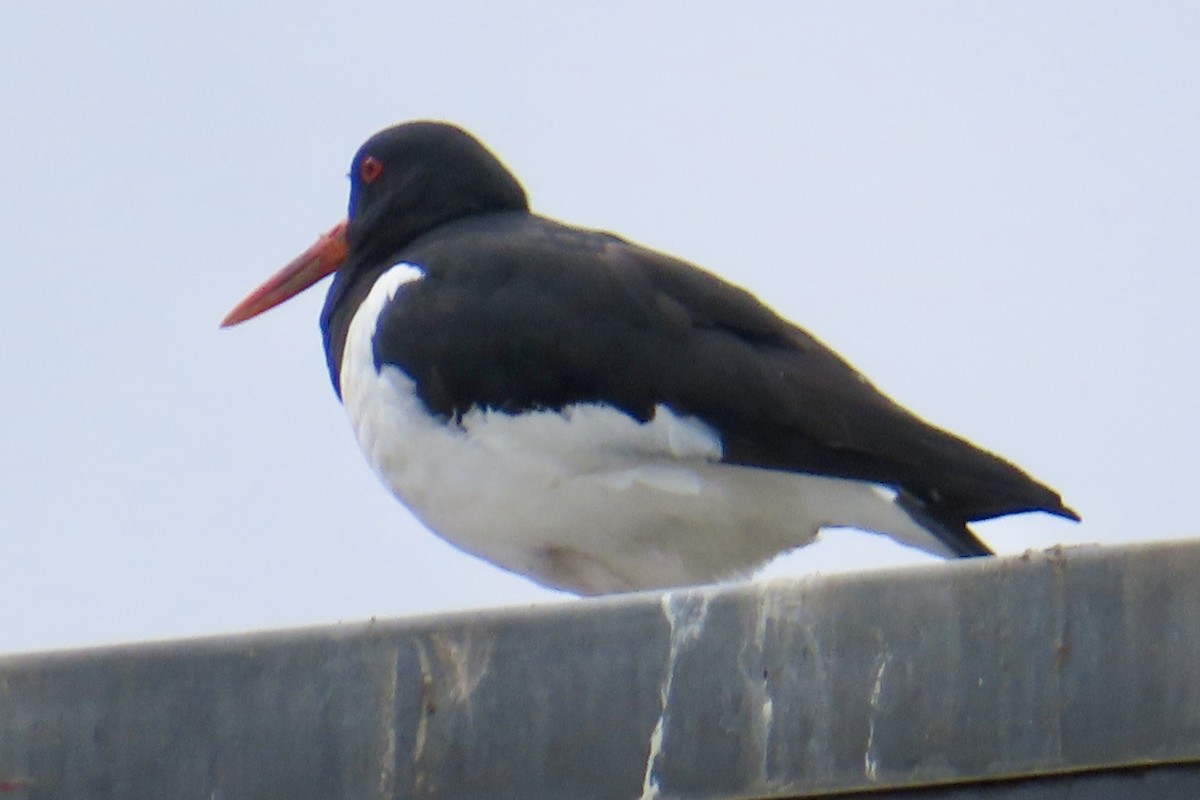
x=588 y=499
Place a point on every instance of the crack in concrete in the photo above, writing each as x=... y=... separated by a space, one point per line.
x=387 y=767
x=686 y=614
x=870 y=764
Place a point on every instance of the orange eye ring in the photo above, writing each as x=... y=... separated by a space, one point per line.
x=370 y=169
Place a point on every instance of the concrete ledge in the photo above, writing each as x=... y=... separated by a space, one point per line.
x=985 y=678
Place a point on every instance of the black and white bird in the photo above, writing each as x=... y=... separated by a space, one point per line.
x=593 y=414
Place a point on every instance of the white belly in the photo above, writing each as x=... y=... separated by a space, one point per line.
x=587 y=499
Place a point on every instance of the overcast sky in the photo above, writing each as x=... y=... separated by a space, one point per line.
x=992 y=209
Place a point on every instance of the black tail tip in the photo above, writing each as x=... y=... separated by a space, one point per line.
x=1066 y=513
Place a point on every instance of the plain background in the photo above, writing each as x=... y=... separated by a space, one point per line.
x=989 y=208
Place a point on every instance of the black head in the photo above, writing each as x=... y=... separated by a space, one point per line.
x=404 y=182
x=410 y=178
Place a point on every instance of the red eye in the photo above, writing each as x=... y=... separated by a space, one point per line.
x=370 y=169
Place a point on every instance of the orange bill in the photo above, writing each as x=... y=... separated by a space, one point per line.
x=325 y=256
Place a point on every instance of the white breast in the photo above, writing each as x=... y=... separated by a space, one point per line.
x=587 y=499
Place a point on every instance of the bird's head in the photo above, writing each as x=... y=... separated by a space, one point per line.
x=404 y=181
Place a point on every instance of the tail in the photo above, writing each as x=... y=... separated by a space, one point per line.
x=951 y=532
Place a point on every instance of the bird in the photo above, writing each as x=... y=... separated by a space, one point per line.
x=596 y=415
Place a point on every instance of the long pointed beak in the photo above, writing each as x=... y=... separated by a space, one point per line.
x=326 y=254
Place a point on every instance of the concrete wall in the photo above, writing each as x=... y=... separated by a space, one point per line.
x=1019 y=678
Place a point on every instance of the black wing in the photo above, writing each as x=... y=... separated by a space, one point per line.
x=569 y=316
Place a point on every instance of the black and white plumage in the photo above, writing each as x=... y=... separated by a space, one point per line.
x=598 y=416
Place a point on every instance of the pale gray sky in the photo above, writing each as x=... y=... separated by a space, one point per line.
x=990 y=208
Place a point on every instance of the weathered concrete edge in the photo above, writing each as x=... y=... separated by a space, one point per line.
x=1049 y=663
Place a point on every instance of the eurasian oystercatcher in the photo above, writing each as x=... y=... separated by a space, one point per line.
x=593 y=414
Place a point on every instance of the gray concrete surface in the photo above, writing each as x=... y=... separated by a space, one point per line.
x=989 y=678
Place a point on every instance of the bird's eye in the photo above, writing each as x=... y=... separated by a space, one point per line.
x=370 y=169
